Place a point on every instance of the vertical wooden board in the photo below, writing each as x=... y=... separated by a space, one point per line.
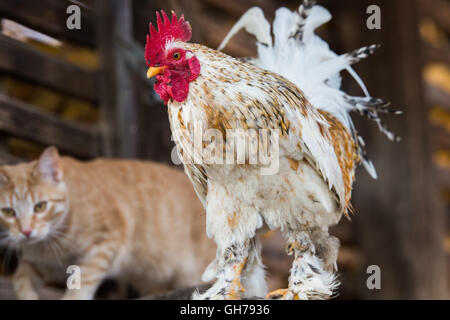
x=118 y=96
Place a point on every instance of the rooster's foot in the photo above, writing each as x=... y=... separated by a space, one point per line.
x=226 y=288
x=282 y=294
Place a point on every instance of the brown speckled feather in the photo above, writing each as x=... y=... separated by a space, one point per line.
x=230 y=94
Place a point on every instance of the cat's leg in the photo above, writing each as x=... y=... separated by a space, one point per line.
x=22 y=281
x=95 y=266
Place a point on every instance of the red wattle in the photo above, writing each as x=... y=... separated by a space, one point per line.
x=162 y=90
x=194 y=67
x=178 y=89
x=173 y=83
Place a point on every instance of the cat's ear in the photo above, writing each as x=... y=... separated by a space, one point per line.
x=48 y=166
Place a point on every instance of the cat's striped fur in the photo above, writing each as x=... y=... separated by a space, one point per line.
x=139 y=221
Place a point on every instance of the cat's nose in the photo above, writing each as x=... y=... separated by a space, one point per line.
x=27 y=232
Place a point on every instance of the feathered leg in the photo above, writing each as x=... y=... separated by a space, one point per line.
x=233 y=227
x=253 y=277
x=227 y=268
x=309 y=277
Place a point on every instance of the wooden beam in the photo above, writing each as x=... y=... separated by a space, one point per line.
x=49 y=17
x=22 y=60
x=25 y=121
x=118 y=82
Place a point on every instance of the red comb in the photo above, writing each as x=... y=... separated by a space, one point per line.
x=177 y=29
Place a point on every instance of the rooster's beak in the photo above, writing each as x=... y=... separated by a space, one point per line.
x=153 y=71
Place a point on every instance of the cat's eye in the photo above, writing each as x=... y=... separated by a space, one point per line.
x=40 y=207
x=176 y=55
x=8 y=212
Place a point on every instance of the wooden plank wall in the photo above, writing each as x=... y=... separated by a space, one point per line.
x=109 y=89
x=27 y=63
x=115 y=87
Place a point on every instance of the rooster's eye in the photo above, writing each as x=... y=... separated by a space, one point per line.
x=176 y=55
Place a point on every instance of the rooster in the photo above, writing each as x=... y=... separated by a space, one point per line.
x=292 y=88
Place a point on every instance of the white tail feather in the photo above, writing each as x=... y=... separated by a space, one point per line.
x=254 y=23
x=317 y=68
x=317 y=17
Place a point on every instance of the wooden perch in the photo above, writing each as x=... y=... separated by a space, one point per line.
x=178 y=294
x=184 y=294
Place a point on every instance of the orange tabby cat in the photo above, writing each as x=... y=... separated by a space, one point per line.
x=139 y=221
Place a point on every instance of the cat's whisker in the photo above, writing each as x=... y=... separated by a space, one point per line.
x=57 y=232
x=4 y=251
x=62 y=240
x=67 y=241
x=59 y=246
x=51 y=240
x=55 y=253
x=7 y=260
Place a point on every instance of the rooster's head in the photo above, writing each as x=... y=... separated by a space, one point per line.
x=173 y=66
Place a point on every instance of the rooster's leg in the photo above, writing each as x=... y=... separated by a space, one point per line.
x=229 y=267
x=308 y=278
x=253 y=276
